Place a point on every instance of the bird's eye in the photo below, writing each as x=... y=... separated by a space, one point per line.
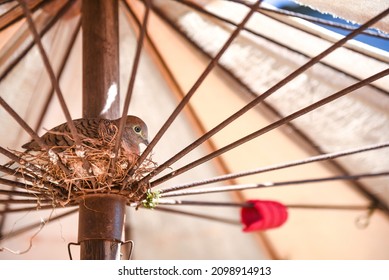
x=137 y=129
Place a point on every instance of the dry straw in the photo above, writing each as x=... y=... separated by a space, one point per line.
x=64 y=174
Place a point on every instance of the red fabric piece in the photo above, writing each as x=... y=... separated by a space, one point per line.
x=263 y=215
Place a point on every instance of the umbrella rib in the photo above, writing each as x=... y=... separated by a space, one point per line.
x=31 y=132
x=15 y=158
x=23 y=124
x=18 y=14
x=278 y=167
x=196 y=85
x=13 y=172
x=174 y=202
x=131 y=84
x=268 y=128
x=262 y=97
x=26 y=201
x=50 y=71
x=62 y=66
x=35 y=208
x=44 y=30
x=55 y=84
x=36 y=191
x=197 y=215
x=15 y=184
x=18 y=193
x=274 y=184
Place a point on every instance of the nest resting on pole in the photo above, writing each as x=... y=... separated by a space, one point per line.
x=64 y=174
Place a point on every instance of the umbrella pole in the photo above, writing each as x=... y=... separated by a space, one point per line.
x=101 y=216
x=101 y=224
x=100 y=59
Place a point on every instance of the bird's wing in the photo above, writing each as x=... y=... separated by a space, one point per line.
x=61 y=135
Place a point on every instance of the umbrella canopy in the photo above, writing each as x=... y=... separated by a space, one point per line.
x=279 y=67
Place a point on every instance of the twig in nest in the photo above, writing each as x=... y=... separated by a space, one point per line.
x=101 y=176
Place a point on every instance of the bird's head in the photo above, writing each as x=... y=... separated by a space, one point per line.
x=136 y=129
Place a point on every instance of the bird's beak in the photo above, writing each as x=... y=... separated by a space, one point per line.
x=145 y=140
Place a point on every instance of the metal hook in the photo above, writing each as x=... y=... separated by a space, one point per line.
x=123 y=243
x=131 y=248
x=69 y=251
x=363 y=220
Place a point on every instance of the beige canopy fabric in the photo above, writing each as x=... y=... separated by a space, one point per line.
x=181 y=39
x=354 y=11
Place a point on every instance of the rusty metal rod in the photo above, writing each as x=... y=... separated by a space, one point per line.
x=277 y=167
x=42 y=33
x=26 y=209
x=26 y=201
x=50 y=71
x=23 y=124
x=196 y=85
x=12 y=183
x=131 y=84
x=262 y=97
x=272 y=126
x=197 y=215
x=62 y=66
x=174 y=202
x=18 y=193
x=275 y=184
x=18 y=13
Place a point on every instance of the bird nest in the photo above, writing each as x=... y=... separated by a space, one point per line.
x=64 y=174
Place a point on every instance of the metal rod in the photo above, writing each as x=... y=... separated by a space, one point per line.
x=273 y=125
x=18 y=193
x=23 y=124
x=173 y=202
x=358 y=185
x=196 y=85
x=12 y=183
x=27 y=201
x=274 y=184
x=26 y=209
x=42 y=33
x=17 y=12
x=276 y=167
x=197 y=215
x=62 y=66
x=266 y=94
x=131 y=84
x=50 y=71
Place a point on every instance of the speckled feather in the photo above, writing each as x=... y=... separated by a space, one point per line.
x=135 y=132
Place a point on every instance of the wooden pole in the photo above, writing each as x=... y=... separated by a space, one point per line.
x=101 y=216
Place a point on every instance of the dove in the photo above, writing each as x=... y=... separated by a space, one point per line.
x=59 y=138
